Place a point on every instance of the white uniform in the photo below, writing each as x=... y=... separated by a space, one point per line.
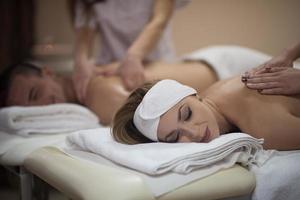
x=120 y=22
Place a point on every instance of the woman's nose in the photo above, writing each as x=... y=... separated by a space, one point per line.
x=190 y=131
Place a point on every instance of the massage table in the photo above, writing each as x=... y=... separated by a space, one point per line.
x=13 y=151
x=78 y=176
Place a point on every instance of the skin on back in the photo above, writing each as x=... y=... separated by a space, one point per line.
x=275 y=118
x=105 y=95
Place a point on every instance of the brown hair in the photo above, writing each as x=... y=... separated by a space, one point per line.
x=123 y=128
x=9 y=74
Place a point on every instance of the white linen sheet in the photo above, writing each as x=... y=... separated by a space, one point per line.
x=279 y=177
x=159 y=158
x=230 y=60
x=14 y=148
x=49 y=119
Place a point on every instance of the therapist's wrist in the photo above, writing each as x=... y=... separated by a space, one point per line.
x=291 y=54
x=134 y=56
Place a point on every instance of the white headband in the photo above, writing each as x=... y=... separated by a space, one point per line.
x=158 y=100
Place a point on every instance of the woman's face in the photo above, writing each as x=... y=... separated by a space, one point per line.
x=190 y=120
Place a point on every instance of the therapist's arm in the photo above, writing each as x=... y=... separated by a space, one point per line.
x=148 y=38
x=83 y=67
x=284 y=59
x=131 y=68
x=277 y=76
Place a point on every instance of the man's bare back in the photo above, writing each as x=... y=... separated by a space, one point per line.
x=105 y=95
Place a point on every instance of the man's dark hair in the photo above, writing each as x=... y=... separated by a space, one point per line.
x=8 y=75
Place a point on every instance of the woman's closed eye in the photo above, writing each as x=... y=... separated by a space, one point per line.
x=173 y=137
x=186 y=113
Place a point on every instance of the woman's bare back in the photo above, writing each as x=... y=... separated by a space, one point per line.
x=275 y=118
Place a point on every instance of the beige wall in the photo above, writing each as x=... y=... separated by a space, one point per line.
x=267 y=25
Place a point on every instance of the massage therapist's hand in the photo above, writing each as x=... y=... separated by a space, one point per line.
x=81 y=76
x=282 y=60
x=279 y=80
x=131 y=71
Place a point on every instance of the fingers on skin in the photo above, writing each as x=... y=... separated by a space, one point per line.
x=128 y=82
x=83 y=92
x=262 y=79
x=80 y=92
x=260 y=86
x=273 y=72
x=272 y=91
x=261 y=71
x=254 y=71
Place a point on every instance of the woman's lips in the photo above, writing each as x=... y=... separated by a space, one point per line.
x=206 y=136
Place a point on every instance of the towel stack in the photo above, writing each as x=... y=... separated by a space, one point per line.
x=159 y=158
x=50 y=119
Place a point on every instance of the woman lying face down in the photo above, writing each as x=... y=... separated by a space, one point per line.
x=168 y=111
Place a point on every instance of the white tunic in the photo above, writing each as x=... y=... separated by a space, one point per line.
x=120 y=22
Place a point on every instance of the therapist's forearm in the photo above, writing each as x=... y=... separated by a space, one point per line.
x=152 y=32
x=83 y=44
x=293 y=52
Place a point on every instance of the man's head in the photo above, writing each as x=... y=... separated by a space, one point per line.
x=25 y=84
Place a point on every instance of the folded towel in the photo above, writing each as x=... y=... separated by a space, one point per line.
x=50 y=119
x=159 y=158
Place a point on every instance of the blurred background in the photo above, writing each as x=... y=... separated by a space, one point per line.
x=42 y=29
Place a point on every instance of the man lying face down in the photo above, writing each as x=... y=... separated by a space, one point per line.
x=168 y=111
x=25 y=84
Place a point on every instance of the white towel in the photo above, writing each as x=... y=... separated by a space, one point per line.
x=159 y=158
x=230 y=60
x=279 y=178
x=50 y=119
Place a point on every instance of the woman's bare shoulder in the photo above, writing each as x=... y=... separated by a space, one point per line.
x=222 y=87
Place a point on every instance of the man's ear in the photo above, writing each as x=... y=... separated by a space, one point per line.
x=46 y=71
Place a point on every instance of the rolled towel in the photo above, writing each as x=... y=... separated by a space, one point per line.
x=159 y=158
x=49 y=119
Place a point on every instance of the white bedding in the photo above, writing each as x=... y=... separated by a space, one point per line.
x=229 y=60
x=158 y=158
x=99 y=141
x=41 y=126
x=45 y=120
x=14 y=149
x=279 y=178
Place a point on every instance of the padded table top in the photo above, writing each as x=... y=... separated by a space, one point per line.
x=81 y=179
